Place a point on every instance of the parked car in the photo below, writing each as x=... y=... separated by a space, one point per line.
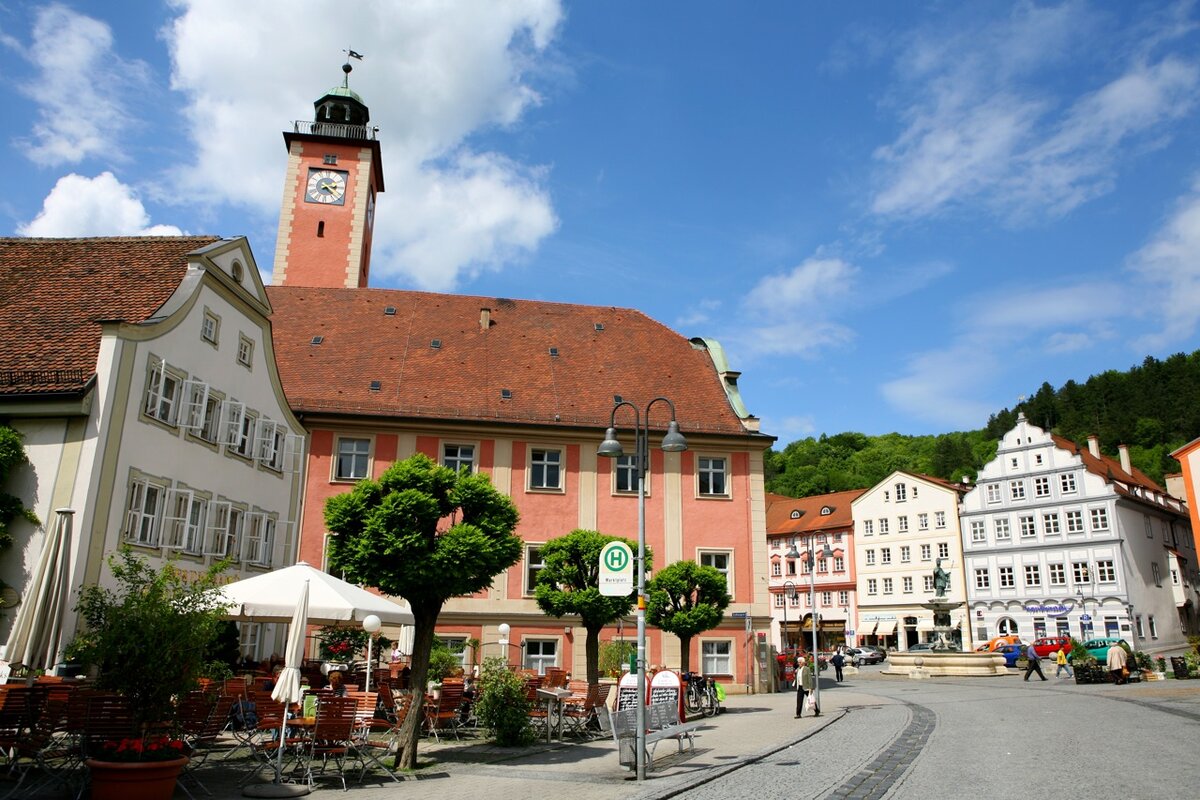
x=875 y=648
x=863 y=655
x=920 y=646
x=1098 y=648
x=997 y=642
x=1048 y=645
x=1011 y=653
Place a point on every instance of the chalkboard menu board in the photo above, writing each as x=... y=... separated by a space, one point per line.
x=666 y=687
x=627 y=693
x=664 y=694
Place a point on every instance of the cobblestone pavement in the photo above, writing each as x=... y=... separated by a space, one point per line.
x=879 y=737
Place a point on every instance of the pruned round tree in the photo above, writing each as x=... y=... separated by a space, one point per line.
x=568 y=584
x=425 y=533
x=685 y=599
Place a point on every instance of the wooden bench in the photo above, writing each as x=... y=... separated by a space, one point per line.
x=662 y=722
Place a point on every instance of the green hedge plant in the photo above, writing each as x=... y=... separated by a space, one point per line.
x=503 y=705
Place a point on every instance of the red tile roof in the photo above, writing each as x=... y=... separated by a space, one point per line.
x=53 y=292
x=464 y=376
x=1136 y=485
x=780 y=508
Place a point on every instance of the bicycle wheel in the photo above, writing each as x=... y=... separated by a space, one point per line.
x=708 y=701
x=691 y=699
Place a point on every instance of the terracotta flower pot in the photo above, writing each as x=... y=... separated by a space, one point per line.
x=134 y=780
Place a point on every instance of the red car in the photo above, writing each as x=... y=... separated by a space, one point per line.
x=1051 y=644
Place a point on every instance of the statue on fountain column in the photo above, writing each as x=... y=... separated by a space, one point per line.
x=941 y=579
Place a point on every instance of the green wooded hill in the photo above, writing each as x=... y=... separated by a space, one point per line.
x=1154 y=408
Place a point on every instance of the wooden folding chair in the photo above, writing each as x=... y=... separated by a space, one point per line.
x=332 y=737
x=443 y=713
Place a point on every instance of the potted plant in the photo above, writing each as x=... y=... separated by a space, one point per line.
x=340 y=646
x=147 y=639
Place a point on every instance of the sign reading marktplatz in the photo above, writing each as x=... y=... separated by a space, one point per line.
x=616 y=570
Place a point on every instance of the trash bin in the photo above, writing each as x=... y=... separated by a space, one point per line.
x=1179 y=667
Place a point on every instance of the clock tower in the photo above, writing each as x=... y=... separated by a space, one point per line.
x=327 y=216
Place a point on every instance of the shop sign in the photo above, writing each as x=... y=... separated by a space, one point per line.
x=1058 y=608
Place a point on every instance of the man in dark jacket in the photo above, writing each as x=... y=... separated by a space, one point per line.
x=1035 y=663
x=838 y=661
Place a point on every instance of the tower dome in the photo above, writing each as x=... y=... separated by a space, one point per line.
x=341 y=104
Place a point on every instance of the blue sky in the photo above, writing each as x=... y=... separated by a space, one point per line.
x=895 y=216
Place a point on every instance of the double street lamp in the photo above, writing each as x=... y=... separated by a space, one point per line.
x=789 y=594
x=826 y=553
x=673 y=442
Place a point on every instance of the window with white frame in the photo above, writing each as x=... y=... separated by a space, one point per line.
x=883 y=526
x=210 y=422
x=926 y=552
x=872 y=586
x=843 y=598
x=993 y=493
x=1016 y=490
x=249 y=639
x=978 y=534
x=144 y=512
x=625 y=475
x=905 y=554
x=901 y=493
x=1106 y=571
x=943 y=549
x=1002 y=531
x=868 y=527
x=162 y=393
x=1066 y=482
x=827 y=599
x=983 y=579
x=794 y=600
x=870 y=557
x=245 y=351
x=533 y=565
x=906 y=585
x=1058 y=574
x=928 y=583
x=822 y=565
x=540 y=654
x=839 y=564
x=244 y=444
x=259 y=541
x=224 y=529
x=458 y=457
x=939 y=519
x=1005 y=576
x=183 y=520
x=791 y=567
x=1028 y=528
x=711 y=474
x=1149 y=528
x=1033 y=575
x=353 y=459
x=545 y=469
x=902 y=524
x=716 y=657
x=1041 y=486
x=1074 y=521
x=210 y=327
x=458 y=646
x=721 y=561
x=1099 y=519
x=778 y=597
x=885 y=555
x=887 y=585
x=776 y=569
x=1080 y=572
x=1050 y=524
x=1153 y=627
x=1156 y=573
x=923 y=521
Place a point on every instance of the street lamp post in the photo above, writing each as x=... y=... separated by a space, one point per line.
x=789 y=593
x=371 y=625
x=826 y=553
x=673 y=442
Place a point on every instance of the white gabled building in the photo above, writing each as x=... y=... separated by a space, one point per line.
x=1058 y=539
x=141 y=374
x=902 y=526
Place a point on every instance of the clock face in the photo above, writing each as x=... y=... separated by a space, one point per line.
x=326 y=186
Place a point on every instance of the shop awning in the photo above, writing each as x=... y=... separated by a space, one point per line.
x=868 y=628
x=886 y=627
x=924 y=623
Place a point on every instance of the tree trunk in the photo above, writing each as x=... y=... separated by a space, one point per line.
x=591 y=649
x=410 y=730
x=685 y=656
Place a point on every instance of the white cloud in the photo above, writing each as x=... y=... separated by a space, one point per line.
x=982 y=123
x=698 y=315
x=100 y=206
x=435 y=74
x=811 y=285
x=944 y=387
x=1006 y=314
x=1169 y=264
x=790 y=428
x=79 y=89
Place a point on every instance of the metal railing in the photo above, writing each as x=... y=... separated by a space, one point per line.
x=42 y=377
x=335 y=129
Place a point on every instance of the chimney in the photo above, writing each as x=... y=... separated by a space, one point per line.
x=1094 y=445
x=1123 y=450
x=485 y=318
x=1175 y=485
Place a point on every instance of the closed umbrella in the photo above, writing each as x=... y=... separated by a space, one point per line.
x=287 y=686
x=35 y=639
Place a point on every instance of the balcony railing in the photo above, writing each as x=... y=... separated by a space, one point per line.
x=335 y=129
x=42 y=377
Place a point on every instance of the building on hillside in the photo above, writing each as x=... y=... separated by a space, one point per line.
x=793 y=527
x=904 y=526
x=1059 y=540
x=141 y=373
x=520 y=390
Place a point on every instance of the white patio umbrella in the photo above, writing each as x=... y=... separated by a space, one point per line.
x=35 y=639
x=287 y=685
x=272 y=596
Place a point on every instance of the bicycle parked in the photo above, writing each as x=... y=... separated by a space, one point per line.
x=700 y=697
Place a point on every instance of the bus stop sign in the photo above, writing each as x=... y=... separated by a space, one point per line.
x=616 y=570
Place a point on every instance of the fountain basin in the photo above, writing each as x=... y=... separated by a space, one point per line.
x=933 y=663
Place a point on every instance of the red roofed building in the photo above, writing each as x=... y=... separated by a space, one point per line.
x=140 y=373
x=523 y=391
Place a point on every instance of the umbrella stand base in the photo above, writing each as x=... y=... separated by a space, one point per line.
x=275 y=790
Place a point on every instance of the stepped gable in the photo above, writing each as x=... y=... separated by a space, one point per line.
x=487 y=359
x=55 y=292
x=780 y=508
x=1136 y=485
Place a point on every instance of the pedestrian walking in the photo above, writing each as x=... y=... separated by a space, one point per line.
x=806 y=682
x=838 y=662
x=1117 y=660
x=1034 y=663
x=1060 y=658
